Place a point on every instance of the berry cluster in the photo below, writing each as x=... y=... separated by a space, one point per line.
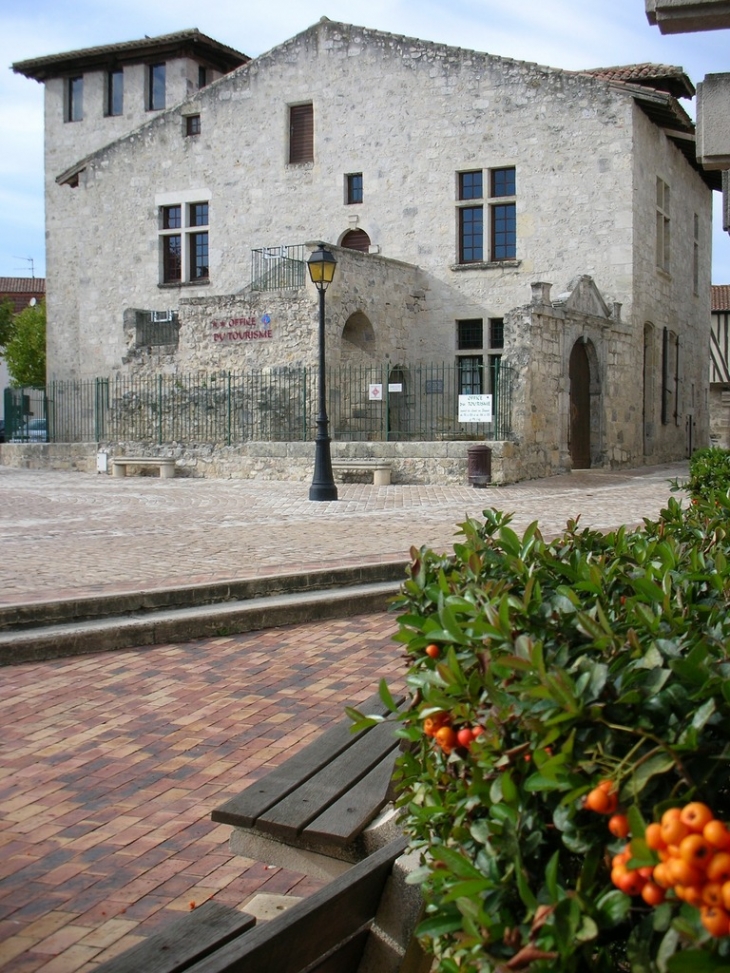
x=447 y=737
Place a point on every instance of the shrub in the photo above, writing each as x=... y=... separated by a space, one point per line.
x=592 y=658
x=709 y=471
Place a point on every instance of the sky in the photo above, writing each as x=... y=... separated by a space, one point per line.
x=560 y=33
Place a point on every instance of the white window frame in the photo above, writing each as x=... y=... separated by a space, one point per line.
x=185 y=200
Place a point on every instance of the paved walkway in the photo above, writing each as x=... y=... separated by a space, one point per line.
x=71 y=533
x=110 y=764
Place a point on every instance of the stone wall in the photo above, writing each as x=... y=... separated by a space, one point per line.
x=413 y=463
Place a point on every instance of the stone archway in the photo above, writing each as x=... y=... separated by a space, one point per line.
x=585 y=405
x=357 y=342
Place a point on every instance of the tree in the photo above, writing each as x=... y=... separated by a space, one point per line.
x=25 y=352
x=6 y=324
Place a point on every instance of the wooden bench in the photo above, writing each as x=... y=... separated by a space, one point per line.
x=183 y=941
x=326 y=932
x=379 y=468
x=319 y=811
x=165 y=464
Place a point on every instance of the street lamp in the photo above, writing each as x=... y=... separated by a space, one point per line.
x=322 y=269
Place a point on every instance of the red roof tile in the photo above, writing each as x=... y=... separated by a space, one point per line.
x=20 y=290
x=720 y=297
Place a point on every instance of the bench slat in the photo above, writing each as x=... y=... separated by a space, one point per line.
x=288 y=817
x=182 y=941
x=343 y=821
x=312 y=928
x=245 y=808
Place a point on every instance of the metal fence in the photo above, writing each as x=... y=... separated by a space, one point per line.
x=274 y=268
x=365 y=403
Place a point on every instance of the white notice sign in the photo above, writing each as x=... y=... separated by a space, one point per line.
x=375 y=393
x=475 y=408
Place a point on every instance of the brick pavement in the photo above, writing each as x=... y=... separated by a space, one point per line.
x=73 y=533
x=110 y=764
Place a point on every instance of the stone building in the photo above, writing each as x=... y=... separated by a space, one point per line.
x=484 y=212
x=720 y=366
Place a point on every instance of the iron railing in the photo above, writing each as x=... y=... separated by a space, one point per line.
x=278 y=268
x=371 y=403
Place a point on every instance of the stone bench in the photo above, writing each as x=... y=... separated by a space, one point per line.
x=379 y=468
x=165 y=464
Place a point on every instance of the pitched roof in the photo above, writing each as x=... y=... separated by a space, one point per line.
x=184 y=42
x=720 y=297
x=20 y=290
x=660 y=77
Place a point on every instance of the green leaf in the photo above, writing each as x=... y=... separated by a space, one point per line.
x=458 y=864
x=613 y=908
x=386 y=697
x=439 y=925
x=660 y=763
x=696 y=961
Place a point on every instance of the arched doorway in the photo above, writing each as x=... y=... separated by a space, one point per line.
x=579 y=372
x=356 y=240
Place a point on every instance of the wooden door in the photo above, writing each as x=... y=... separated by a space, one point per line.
x=580 y=407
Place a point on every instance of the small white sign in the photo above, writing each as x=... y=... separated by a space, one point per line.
x=395 y=387
x=475 y=408
x=375 y=392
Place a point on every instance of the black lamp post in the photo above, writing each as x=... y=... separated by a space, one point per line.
x=322 y=269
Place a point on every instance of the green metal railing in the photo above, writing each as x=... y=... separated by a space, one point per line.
x=372 y=403
x=277 y=268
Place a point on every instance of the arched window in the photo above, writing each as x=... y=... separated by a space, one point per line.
x=356 y=240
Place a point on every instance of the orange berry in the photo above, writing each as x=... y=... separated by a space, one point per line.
x=682 y=873
x=712 y=894
x=465 y=736
x=718 y=867
x=717 y=834
x=433 y=651
x=726 y=895
x=696 y=850
x=618 y=825
x=672 y=828
x=692 y=895
x=652 y=893
x=446 y=738
x=653 y=837
x=477 y=731
x=715 y=920
x=662 y=876
x=617 y=874
x=631 y=883
x=646 y=871
x=602 y=799
x=696 y=815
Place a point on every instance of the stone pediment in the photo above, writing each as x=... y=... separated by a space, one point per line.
x=583 y=297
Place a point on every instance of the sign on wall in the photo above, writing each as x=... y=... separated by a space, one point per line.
x=475 y=408
x=375 y=392
x=242 y=329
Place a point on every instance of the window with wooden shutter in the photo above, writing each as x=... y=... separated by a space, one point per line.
x=301 y=133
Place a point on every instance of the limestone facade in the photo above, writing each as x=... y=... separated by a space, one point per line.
x=597 y=175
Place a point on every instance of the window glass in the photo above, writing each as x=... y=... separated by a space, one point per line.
x=471 y=234
x=192 y=125
x=171 y=217
x=503 y=182
x=75 y=99
x=157 y=87
x=354 y=187
x=469 y=334
x=115 y=93
x=504 y=232
x=471 y=369
x=198 y=214
x=171 y=258
x=470 y=185
x=198 y=256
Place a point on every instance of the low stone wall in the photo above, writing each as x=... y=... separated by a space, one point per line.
x=437 y=462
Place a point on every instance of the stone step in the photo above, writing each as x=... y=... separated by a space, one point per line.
x=34 y=632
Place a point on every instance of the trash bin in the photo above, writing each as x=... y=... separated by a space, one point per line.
x=479 y=465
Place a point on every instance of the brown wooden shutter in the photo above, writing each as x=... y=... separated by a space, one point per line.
x=301 y=133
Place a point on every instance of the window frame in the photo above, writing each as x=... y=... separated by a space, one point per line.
x=353 y=188
x=183 y=232
x=663 y=226
x=192 y=126
x=301 y=133
x=487 y=215
x=156 y=76
x=114 y=92
x=479 y=345
x=75 y=98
